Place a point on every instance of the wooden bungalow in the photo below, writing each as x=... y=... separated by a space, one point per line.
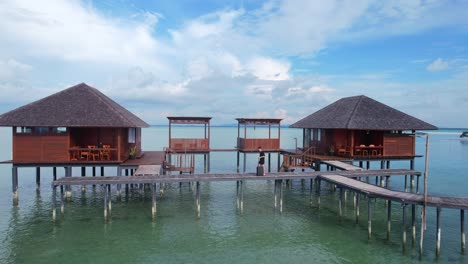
x=246 y=143
x=360 y=127
x=77 y=125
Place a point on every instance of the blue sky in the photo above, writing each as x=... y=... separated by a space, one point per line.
x=229 y=59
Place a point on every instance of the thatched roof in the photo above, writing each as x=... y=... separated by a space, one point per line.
x=78 y=106
x=361 y=112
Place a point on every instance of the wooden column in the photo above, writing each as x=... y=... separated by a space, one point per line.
x=281 y=197
x=83 y=174
x=153 y=204
x=275 y=193
x=438 y=232
x=238 y=161
x=105 y=202
x=369 y=217
x=389 y=218
x=38 y=178
x=241 y=198
x=358 y=198
x=462 y=231
x=54 y=198
x=413 y=224
x=245 y=161
x=269 y=162
x=197 y=199
x=14 y=184
x=404 y=228
x=54 y=173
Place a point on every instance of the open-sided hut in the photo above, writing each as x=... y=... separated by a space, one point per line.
x=251 y=143
x=193 y=143
x=79 y=124
x=361 y=127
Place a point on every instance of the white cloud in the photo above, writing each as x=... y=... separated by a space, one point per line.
x=269 y=69
x=438 y=65
x=12 y=68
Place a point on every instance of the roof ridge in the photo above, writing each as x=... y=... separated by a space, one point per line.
x=351 y=116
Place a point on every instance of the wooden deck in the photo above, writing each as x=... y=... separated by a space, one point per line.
x=342 y=165
x=148 y=158
x=144 y=170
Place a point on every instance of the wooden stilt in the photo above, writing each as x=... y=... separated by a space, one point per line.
x=238 y=161
x=54 y=173
x=241 y=197
x=413 y=224
x=311 y=192
x=281 y=197
x=367 y=165
x=318 y=192
x=358 y=198
x=62 y=201
x=404 y=228
x=417 y=184
x=438 y=234
x=105 y=203
x=14 y=184
x=462 y=231
x=406 y=180
x=369 y=218
x=276 y=194
x=197 y=195
x=83 y=174
x=245 y=162
x=94 y=171
x=54 y=200
x=389 y=219
x=269 y=162
x=238 y=193
x=153 y=204
x=340 y=203
x=38 y=178
x=68 y=173
x=109 y=200
x=102 y=170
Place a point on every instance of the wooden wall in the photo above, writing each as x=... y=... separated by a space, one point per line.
x=254 y=143
x=399 y=145
x=40 y=148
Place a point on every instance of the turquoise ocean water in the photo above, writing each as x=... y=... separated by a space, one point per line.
x=222 y=235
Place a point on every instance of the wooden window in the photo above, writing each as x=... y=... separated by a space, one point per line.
x=131 y=135
x=59 y=130
x=23 y=130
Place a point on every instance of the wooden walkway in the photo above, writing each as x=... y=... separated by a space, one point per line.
x=156 y=178
x=403 y=197
x=342 y=165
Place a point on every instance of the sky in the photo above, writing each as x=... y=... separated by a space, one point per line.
x=231 y=59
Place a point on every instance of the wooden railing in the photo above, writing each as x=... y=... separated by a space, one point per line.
x=189 y=144
x=254 y=143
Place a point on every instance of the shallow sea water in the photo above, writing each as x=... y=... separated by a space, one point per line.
x=302 y=233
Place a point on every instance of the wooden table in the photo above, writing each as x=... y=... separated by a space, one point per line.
x=75 y=153
x=370 y=150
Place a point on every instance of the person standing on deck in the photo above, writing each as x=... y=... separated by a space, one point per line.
x=261 y=159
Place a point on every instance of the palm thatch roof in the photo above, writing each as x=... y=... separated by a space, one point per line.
x=361 y=113
x=78 y=106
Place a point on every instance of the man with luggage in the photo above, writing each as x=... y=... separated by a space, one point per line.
x=261 y=162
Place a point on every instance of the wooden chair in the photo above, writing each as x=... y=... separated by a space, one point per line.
x=365 y=152
x=374 y=152
x=85 y=154
x=93 y=153
x=105 y=153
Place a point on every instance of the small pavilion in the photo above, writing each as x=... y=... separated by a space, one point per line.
x=359 y=127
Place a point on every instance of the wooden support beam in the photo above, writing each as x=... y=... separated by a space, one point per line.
x=413 y=224
x=462 y=231
x=54 y=198
x=153 y=204
x=403 y=229
x=38 y=178
x=369 y=217
x=14 y=184
x=389 y=218
x=358 y=198
x=438 y=234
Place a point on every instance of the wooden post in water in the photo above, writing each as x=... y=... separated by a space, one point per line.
x=68 y=173
x=245 y=162
x=340 y=203
x=54 y=172
x=153 y=204
x=406 y=184
x=38 y=178
x=403 y=229
x=413 y=224
x=238 y=195
x=317 y=186
x=102 y=170
x=462 y=231
x=438 y=232
x=83 y=174
x=109 y=202
x=62 y=201
x=94 y=171
x=389 y=218
x=281 y=197
x=311 y=192
x=423 y=211
x=369 y=217
x=197 y=199
x=54 y=197
x=14 y=184
x=358 y=198
x=238 y=161
x=105 y=203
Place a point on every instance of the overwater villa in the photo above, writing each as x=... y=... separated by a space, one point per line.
x=359 y=127
x=77 y=125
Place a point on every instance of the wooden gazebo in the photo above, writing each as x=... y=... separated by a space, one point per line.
x=361 y=127
x=195 y=143
x=77 y=125
x=246 y=143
